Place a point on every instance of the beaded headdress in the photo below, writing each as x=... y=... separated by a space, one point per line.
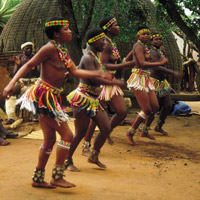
x=95 y=38
x=142 y=31
x=156 y=35
x=57 y=23
x=109 y=23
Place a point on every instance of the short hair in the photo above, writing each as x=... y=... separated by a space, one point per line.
x=51 y=29
x=142 y=27
x=104 y=21
x=93 y=32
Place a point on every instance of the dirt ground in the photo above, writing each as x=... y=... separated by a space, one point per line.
x=167 y=168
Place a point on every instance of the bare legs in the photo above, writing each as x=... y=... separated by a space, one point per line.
x=166 y=104
x=149 y=104
x=49 y=127
x=119 y=106
x=103 y=123
x=86 y=143
x=81 y=126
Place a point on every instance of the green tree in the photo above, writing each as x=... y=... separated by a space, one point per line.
x=7 y=7
x=188 y=24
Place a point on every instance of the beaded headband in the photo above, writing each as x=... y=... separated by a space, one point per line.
x=57 y=23
x=142 y=31
x=156 y=35
x=95 y=38
x=109 y=23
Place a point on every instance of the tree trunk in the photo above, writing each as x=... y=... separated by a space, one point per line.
x=175 y=16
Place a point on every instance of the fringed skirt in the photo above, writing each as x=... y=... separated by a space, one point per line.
x=108 y=91
x=162 y=87
x=82 y=99
x=43 y=98
x=140 y=80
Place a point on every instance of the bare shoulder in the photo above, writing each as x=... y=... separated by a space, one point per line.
x=87 y=62
x=108 y=45
x=137 y=48
x=48 y=47
x=86 y=59
x=49 y=50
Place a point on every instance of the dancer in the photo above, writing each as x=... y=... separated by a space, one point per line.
x=113 y=95
x=162 y=87
x=44 y=98
x=140 y=82
x=86 y=103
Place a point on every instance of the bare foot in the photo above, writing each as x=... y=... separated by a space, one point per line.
x=160 y=130
x=85 y=153
x=3 y=142
x=43 y=185
x=72 y=168
x=129 y=138
x=97 y=162
x=110 y=141
x=146 y=135
x=62 y=183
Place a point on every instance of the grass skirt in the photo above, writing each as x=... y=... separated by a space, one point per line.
x=140 y=80
x=109 y=91
x=162 y=87
x=83 y=100
x=43 y=98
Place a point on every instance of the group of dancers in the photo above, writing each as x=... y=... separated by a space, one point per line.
x=97 y=85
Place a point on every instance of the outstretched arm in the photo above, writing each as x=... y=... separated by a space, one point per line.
x=139 y=53
x=108 y=60
x=88 y=63
x=34 y=61
x=129 y=57
x=87 y=74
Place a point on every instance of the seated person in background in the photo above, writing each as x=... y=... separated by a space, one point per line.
x=5 y=134
x=24 y=82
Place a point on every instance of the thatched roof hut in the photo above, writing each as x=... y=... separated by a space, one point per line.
x=28 y=20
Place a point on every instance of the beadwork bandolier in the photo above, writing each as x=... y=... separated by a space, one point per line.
x=108 y=91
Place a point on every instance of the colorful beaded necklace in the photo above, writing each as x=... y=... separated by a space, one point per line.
x=63 y=53
x=146 y=48
x=101 y=66
x=115 y=51
x=159 y=51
